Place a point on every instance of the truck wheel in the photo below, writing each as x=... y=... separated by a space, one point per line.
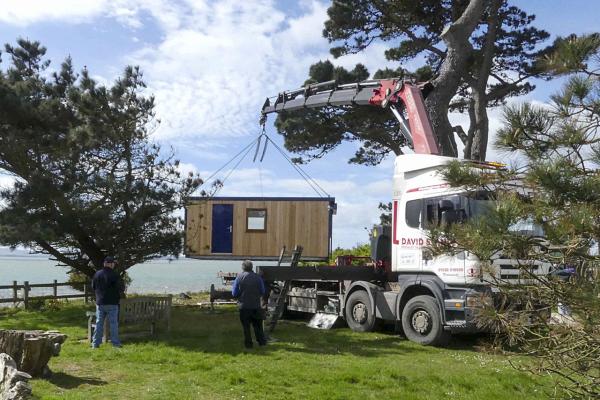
x=422 y=322
x=358 y=312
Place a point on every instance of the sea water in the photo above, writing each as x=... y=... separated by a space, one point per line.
x=156 y=276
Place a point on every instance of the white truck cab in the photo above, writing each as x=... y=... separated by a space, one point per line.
x=422 y=199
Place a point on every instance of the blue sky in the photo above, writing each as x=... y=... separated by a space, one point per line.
x=211 y=64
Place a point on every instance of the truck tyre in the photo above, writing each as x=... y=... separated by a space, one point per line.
x=358 y=312
x=422 y=322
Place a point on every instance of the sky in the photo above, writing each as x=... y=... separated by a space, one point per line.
x=211 y=64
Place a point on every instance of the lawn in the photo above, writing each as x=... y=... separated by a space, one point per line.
x=203 y=358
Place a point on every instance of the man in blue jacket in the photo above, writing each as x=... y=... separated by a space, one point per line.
x=107 y=286
x=248 y=289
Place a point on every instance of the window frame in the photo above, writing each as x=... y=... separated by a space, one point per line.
x=248 y=229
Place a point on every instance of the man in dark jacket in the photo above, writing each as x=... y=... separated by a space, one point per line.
x=108 y=287
x=248 y=289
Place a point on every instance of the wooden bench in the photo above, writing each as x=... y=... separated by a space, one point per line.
x=137 y=310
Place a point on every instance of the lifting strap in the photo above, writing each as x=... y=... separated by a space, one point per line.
x=242 y=154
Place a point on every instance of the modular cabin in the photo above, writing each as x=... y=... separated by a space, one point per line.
x=257 y=228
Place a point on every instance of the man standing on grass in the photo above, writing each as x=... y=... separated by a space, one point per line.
x=107 y=286
x=248 y=289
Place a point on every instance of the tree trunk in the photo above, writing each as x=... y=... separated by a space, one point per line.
x=481 y=128
x=437 y=107
x=31 y=350
x=479 y=118
x=456 y=37
x=471 y=133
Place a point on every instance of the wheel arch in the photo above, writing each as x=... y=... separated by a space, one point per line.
x=368 y=287
x=421 y=287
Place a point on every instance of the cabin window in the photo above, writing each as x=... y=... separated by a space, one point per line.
x=413 y=213
x=256 y=220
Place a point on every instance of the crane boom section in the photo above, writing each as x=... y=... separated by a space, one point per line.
x=386 y=93
x=420 y=127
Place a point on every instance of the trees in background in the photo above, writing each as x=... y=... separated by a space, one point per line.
x=89 y=180
x=359 y=250
x=476 y=54
x=551 y=220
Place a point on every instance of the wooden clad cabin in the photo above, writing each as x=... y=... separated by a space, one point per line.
x=257 y=228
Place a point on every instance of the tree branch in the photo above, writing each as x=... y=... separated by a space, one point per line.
x=64 y=259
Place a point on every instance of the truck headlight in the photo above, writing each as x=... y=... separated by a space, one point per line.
x=478 y=300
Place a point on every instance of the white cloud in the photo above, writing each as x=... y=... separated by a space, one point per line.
x=216 y=61
x=24 y=12
x=212 y=71
x=372 y=57
x=186 y=168
x=7 y=181
x=382 y=187
x=27 y=12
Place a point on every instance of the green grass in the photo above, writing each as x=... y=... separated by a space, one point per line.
x=203 y=358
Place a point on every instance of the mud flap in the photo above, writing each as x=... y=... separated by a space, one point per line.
x=323 y=321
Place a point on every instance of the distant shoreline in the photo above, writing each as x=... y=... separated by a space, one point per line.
x=166 y=276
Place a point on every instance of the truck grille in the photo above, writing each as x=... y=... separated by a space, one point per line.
x=513 y=272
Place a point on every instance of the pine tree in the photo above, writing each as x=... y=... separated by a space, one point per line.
x=545 y=215
x=89 y=181
x=475 y=53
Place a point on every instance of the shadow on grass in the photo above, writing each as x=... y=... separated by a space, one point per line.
x=67 y=316
x=205 y=331
x=470 y=341
x=67 y=381
x=293 y=342
x=220 y=332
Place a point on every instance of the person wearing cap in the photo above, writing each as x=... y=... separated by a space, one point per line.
x=107 y=286
x=248 y=289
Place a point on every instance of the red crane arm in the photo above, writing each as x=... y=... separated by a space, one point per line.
x=394 y=94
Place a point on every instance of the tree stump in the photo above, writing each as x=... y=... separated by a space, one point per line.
x=31 y=350
x=14 y=384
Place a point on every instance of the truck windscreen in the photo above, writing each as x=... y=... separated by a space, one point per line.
x=433 y=211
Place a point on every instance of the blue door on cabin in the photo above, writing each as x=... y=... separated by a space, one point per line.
x=222 y=228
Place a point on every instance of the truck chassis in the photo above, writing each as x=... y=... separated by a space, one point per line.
x=421 y=305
